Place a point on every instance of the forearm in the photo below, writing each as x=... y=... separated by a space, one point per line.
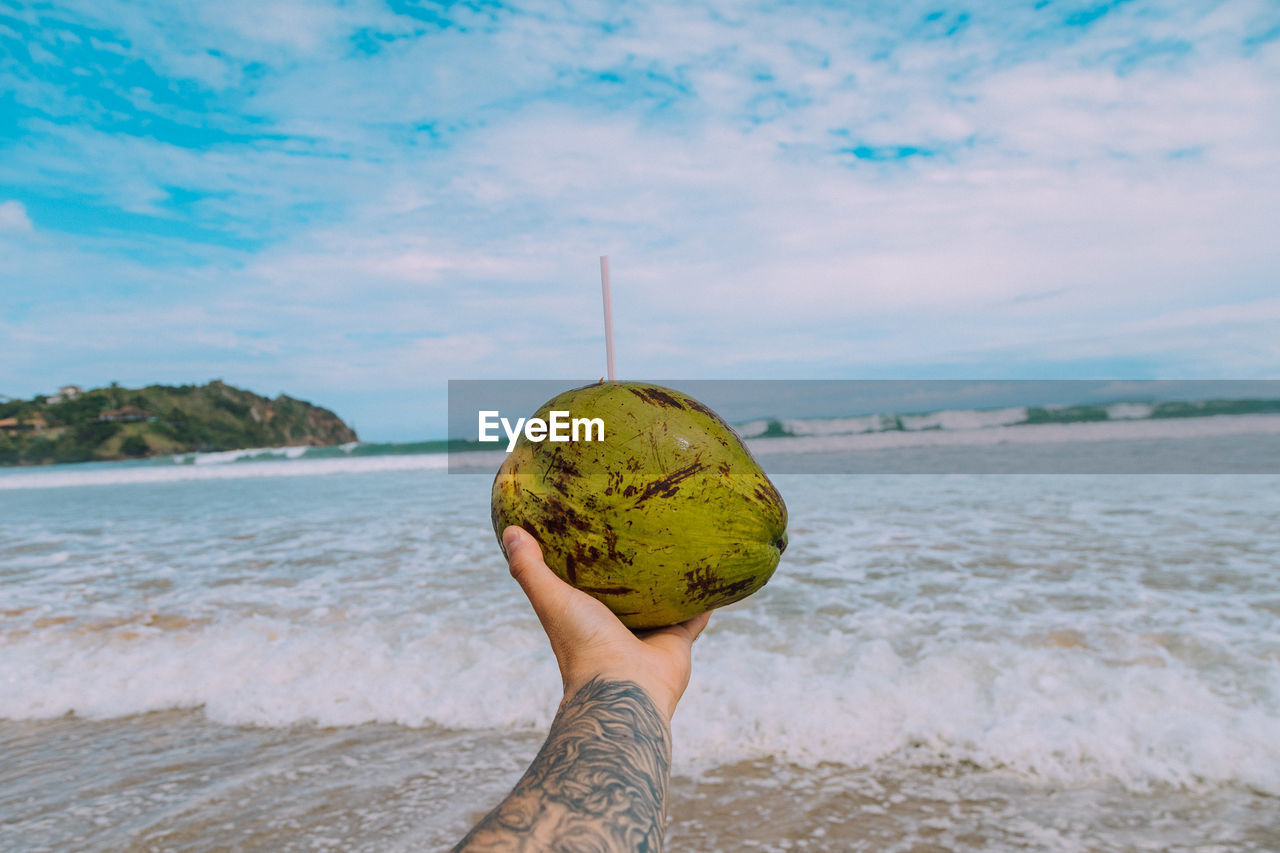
x=598 y=783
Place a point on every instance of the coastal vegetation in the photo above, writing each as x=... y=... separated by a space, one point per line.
x=114 y=423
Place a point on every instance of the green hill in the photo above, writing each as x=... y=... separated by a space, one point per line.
x=124 y=423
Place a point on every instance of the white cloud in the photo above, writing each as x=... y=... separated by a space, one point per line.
x=13 y=216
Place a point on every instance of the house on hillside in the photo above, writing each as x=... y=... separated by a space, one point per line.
x=65 y=393
x=124 y=415
x=31 y=423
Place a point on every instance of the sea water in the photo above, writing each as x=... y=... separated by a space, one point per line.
x=302 y=654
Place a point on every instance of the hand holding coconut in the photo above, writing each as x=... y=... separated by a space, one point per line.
x=647 y=531
x=645 y=535
x=588 y=640
x=600 y=780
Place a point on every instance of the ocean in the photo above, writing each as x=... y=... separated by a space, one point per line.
x=294 y=649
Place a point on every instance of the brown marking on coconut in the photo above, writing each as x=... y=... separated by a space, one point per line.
x=698 y=407
x=611 y=544
x=532 y=529
x=559 y=517
x=667 y=486
x=700 y=582
x=766 y=492
x=735 y=591
x=657 y=397
x=705 y=585
x=586 y=555
x=562 y=466
x=608 y=590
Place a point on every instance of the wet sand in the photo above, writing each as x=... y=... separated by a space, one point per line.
x=173 y=781
x=767 y=806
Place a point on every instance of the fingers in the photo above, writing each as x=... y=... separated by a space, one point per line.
x=686 y=631
x=546 y=592
x=697 y=625
x=677 y=639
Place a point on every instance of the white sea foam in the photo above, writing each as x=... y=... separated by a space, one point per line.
x=274 y=672
x=65 y=476
x=886 y=430
x=958 y=419
x=223 y=457
x=821 y=426
x=1059 y=715
x=1063 y=716
x=1095 y=431
x=751 y=429
x=1129 y=411
x=965 y=419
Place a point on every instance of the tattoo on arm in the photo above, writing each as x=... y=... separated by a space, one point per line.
x=599 y=783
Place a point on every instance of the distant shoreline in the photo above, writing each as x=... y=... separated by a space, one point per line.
x=319 y=443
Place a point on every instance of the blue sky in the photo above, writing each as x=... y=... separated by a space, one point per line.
x=354 y=202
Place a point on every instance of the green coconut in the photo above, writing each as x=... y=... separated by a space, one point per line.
x=668 y=517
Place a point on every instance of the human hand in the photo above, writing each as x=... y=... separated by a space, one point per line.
x=589 y=641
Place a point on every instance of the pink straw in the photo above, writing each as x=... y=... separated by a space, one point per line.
x=608 y=312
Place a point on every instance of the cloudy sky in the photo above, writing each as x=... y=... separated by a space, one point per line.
x=353 y=202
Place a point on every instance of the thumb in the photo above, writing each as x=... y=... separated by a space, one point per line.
x=547 y=593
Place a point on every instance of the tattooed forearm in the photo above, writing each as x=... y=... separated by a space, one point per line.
x=598 y=784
